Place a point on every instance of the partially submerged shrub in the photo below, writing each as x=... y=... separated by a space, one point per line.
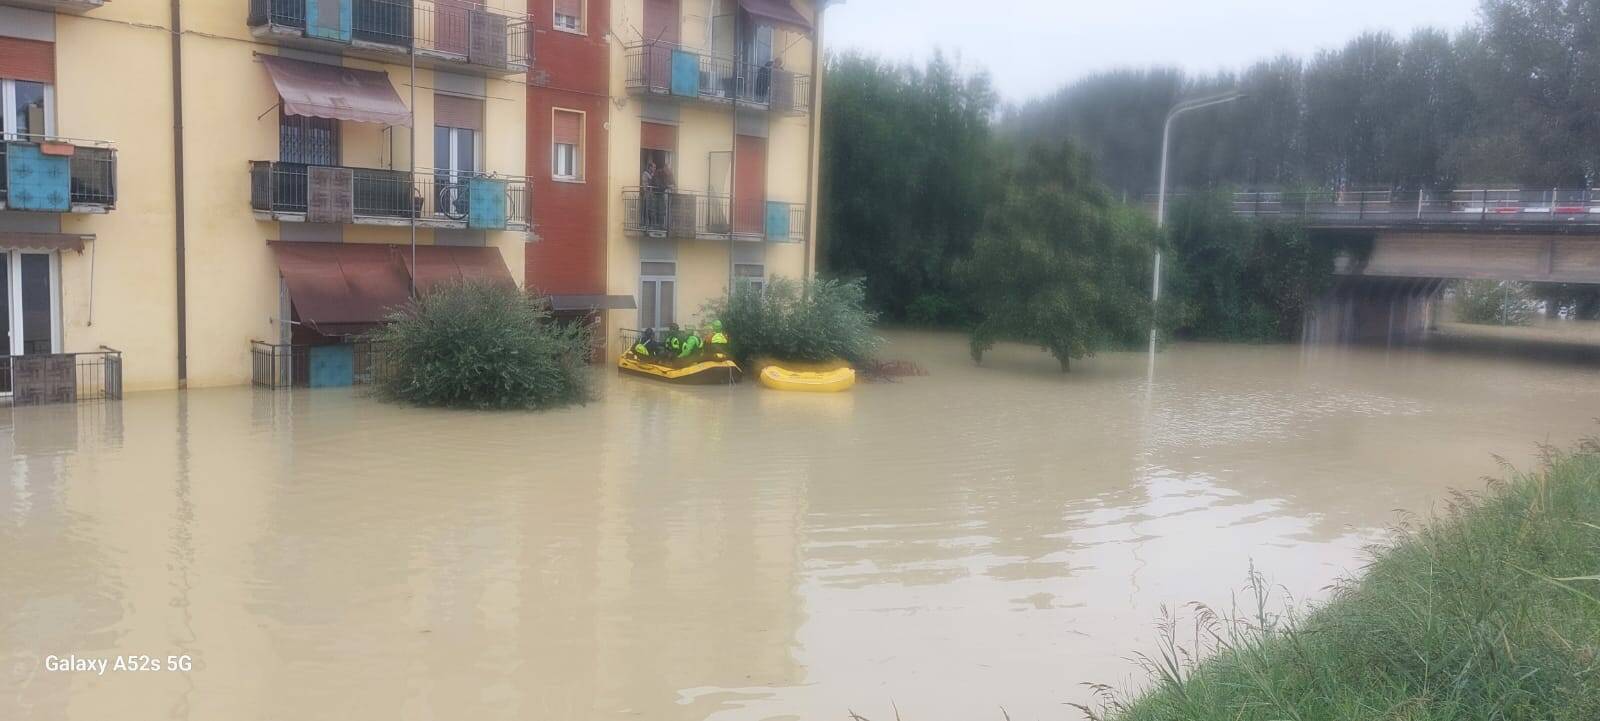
x=1490 y=302
x=482 y=345
x=805 y=321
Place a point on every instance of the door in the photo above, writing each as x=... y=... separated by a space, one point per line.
x=750 y=185
x=455 y=161
x=657 y=294
x=661 y=36
x=30 y=311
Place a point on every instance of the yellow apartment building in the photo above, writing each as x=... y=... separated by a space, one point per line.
x=206 y=192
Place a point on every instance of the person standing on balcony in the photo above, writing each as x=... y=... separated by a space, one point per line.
x=647 y=194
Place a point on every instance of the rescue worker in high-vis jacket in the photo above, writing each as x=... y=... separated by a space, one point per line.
x=644 y=348
x=674 y=340
x=691 y=345
x=718 y=340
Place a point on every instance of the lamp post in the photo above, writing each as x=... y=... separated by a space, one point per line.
x=1161 y=192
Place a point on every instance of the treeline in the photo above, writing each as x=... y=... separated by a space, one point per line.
x=1512 y=99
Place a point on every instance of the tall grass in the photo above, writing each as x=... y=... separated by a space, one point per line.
x=482 y=345
x=1489 y=611
x=808 y=321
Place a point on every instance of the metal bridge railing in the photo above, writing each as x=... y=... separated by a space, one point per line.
x=1503 y=206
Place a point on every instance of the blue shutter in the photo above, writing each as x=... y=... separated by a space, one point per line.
x=486 y=204
x=685 y=73
x=333 y=366
x=329 y=19
x=36 y=181
x=777 y=220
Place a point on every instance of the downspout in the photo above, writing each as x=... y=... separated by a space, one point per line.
x=177 y=187
x=813 y=161
x=733 y=149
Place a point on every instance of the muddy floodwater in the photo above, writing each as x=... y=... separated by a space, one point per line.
x=978 y=538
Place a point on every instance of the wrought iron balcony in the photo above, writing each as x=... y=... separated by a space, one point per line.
x=57 y=175
x=66 y=6
x=688 y=214
x=675 y=71
x=463 y=35
x=374 y=196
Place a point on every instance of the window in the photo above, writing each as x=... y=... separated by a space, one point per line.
x=27 y=107
x=657 y=290
x=569 y=15
x=309 y=141
x=29 y=309
x=750 y=275
x=566 y=145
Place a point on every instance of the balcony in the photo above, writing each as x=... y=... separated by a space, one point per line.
x=64 y=6
x=454 y=35
x=57 y=175
x=687 y=214
x=373 y=196
x=673 y=71
x=39 y=376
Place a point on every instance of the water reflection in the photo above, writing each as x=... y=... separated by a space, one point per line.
x=953 y=543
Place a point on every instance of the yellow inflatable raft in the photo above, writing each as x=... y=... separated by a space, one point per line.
x=713 y=371
x=829 y=381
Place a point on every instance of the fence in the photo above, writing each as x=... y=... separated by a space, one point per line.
x=380 y=195
x=283 y=365
x=1506 y=206
x=652 y=67
x=40 y=378
x=92 y=169
x=460 y=30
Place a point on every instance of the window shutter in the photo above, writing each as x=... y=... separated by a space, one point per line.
x=656 y=136
x=453 y=111
x=486 y=44
x=570 y=7
x=568 y=127
x=33 y=60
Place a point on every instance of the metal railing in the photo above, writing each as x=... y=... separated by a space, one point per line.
x=388 y=197
x=455 y=30
x=286 y=365
x=689 y=214
x=718 y=78
x=1491 y=206
x=39 y=378
x=92 y=171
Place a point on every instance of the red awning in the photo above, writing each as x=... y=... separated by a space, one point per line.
x=342 y=288
x=437 y=264
x=330 y=91
x=777 y=12
x=43 y=241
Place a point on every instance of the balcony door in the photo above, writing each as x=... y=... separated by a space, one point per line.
x=27 y=107
x=30 y=307
x=455 y=161
x=662 y=21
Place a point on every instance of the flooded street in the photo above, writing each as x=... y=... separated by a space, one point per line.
x=977 y=538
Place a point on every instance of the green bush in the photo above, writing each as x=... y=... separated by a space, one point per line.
x=1489 y=302
x=811 y=321
x=482 y=345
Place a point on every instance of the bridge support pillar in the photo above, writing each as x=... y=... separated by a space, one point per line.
x=1374 y=310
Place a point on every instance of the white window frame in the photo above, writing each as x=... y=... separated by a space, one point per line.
x=574 y=174
x=658 y=279
x=14 y=303
x=8 y=108
x=759 y=282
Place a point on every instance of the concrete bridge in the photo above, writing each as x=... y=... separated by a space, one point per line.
x=1421 y=240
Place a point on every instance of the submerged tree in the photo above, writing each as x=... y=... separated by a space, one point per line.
x=1059 y=264
x=1493 y=302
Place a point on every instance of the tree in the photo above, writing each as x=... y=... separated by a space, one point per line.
x=908 y=164
x=1059 y=264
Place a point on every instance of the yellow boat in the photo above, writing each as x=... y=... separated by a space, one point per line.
x=711 y=371
x=826 y=381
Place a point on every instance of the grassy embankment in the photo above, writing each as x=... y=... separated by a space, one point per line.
x=1489 y=611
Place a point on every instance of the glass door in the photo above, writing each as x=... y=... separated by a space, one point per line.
x=30 y=310
x=657 y=287
x=455 y=161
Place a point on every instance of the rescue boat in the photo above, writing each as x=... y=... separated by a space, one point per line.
x=820 y=381
x=717 y=369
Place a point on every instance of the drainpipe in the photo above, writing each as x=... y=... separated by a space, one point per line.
x=177 y=187
x=812 y=160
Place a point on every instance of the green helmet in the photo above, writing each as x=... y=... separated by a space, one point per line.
x=716 y=325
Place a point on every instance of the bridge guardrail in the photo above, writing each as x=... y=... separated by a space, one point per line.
x=1499 y=206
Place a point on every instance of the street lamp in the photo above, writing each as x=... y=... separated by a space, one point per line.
x=1161 y=192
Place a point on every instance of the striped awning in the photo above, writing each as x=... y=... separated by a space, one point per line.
x=43 y=241
x=319 y=90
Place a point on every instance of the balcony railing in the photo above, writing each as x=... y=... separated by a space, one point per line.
x=282 y=365
x=434 y=198
x=688 y=214
x=441 y=32
x=45 y=377
x=69 y=6
x=57 y=175
x=676 y=71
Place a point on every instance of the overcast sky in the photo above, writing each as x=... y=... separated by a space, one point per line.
x=1032 y=47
